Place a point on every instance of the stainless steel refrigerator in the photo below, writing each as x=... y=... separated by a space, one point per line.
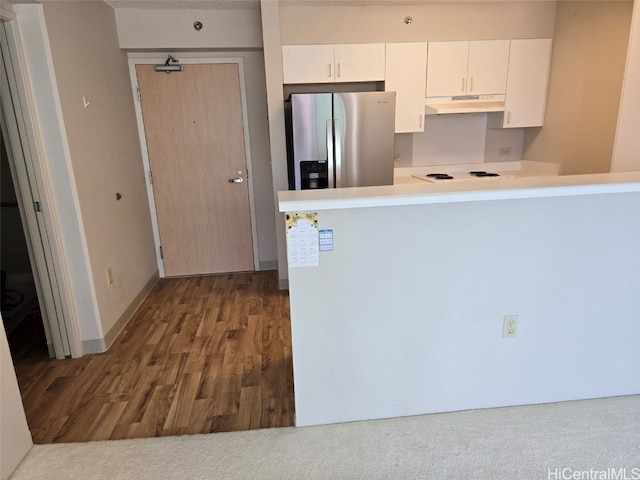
x=340 y=139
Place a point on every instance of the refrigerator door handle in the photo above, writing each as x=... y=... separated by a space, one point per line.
x=338 y=154
x=330 y=159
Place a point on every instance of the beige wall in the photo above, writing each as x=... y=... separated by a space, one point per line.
x=626 y=153
x=173 y=28
x=104 y=151
x=275 y=102
x=15 y=438
x=587 y=65
x=385 y=23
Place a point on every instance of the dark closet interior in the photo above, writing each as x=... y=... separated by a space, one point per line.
x=18 y=297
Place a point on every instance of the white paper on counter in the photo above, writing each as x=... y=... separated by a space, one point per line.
x=302 y=240
x=326 y=240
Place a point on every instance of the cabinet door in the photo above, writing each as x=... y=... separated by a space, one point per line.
x=447 y=69
x=359 y=62
x=307 y=64
x=406 y=68
x=526 y=96
x=488 y=62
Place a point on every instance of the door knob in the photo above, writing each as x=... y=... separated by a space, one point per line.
x=238 y=179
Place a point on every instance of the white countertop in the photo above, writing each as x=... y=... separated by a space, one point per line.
x=418 y=192
x=519 y=168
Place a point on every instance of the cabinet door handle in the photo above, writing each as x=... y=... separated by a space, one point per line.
x=508 y=116
x=471 y=84
x=330 y=70
x=420 y=121
x=462 y=89
x=338 y=70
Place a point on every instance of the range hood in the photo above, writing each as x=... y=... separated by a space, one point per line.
x=464 y=104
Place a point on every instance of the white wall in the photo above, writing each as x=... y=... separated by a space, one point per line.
x=105 y=155
x=451 y=139
x=15 y=438
x=405 y=316
x=62 y=200
x=499 y=138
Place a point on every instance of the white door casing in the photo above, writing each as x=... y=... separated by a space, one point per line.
x=31 y=179
x=187 y=59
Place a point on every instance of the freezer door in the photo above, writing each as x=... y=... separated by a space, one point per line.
x=364 y=138
x=310 y=116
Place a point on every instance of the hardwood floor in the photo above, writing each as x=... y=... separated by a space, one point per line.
x=202 y=354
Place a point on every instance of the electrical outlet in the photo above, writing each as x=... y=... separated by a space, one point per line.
x=396 y=157
x=510 y=326
x=505 y=151
x=109 y=276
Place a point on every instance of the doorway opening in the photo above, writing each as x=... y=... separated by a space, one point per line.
x=33 y=284
x=19 y=301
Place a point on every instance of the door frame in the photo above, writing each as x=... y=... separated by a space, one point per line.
x=186 y=58
x=29 y=177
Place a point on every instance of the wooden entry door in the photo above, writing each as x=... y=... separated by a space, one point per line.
x=195 y=142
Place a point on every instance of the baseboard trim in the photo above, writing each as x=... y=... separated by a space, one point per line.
x=268 y=265
x=100 y=345
x=95 y=345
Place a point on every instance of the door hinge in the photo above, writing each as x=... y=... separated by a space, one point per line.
x=150 y=178
x=138 y=92
x=37 y=206
x=161 y=254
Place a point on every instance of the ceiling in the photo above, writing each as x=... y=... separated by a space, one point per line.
x=226 y=4
x=184 y=4
x=244 y=4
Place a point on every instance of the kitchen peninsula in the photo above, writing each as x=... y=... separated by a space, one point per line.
x=404 y=313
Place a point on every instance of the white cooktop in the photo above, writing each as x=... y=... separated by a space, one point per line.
x=448 y=176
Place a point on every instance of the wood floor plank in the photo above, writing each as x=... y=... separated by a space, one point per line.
x=81 y=421
x=180 y=410
x=105 y=422
x=155 y=414
x=48 y=429
x=250 y=408
x=140 y=397
x=212 y=370
x=201 y=354
x=226 y=397
x=252 y=371
x=276 y=411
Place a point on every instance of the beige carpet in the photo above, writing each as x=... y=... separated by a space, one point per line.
x=553 y=441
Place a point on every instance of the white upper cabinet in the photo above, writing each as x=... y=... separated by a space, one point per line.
x=406 y=66
x=447 y=69
x=526 y=96
x=467 y=68
x=333 y=63
x=307 y=63
x=488 y=64
x=517 y=69
x=359 y=62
